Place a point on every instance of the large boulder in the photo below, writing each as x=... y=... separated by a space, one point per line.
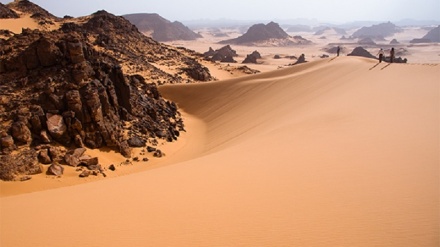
x=57 y=128
x=55 y=170
x=73 y=157
x=21 y=133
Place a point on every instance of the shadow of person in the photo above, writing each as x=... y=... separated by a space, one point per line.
x=374 y=66
x=385 y=66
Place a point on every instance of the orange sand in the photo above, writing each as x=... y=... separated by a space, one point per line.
x=337 y=152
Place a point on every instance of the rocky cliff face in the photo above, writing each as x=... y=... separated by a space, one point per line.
x=66 y=88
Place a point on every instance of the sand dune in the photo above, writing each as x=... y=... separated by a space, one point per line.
x=337 y=152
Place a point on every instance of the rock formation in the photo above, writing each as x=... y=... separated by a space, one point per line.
x=431 y=36
x=361 y=52
x=7 y=13
x=394 y=42
x=161 y=29
x=378 y=31
x=67 y=88
x=252 y=58
x=270 y=34
x=301 y=59
x=224 y=54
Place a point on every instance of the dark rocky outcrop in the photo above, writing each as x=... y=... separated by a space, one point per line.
x=20 y=163
x=301 y=59
x=252 y=58
x=394 y=42
x=269 y=34
x=161 y=29
x=361 y=52
x=58 y=89
x=7 y=13
x=224 y=54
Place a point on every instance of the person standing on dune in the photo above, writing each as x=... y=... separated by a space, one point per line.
x=392 y=55
x=337 y=51
x=380 y=55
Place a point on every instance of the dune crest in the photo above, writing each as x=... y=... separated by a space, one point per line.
x=338 y=152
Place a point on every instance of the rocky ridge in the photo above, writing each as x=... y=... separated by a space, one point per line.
x=67 y=89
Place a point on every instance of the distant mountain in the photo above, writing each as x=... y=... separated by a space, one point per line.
x=270 y=34
x=161 y=29
x=433 y=35
x=377 y=31
x=324 y=30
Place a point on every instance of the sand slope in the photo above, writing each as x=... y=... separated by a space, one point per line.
x=339 y=152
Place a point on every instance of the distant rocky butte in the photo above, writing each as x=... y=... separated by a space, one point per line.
x=432 y=36
x=378 y=31
x=270 y=34
x=161 y=29
x=67 y=89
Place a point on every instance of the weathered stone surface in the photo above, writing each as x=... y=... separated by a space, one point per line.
x=78 y=96
x=7 y=144
x=21 y=133
x=76 y=52
x=43 y=156
x=55 y=170
x=56 y=126
x=57 y=153
x=73 y=157
x=85 y=174
x=45 y=137
x=136 y=141
x=22 y=163
x=88 y=161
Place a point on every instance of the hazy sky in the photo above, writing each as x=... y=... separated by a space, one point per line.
x=322 y=10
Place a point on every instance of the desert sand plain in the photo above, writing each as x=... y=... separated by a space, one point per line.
x=335 y=152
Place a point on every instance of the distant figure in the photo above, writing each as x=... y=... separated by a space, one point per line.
x=392 y=55
x=380 y=55
x=338 y=50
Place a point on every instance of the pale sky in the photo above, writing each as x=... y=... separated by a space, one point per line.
x=321 y=10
